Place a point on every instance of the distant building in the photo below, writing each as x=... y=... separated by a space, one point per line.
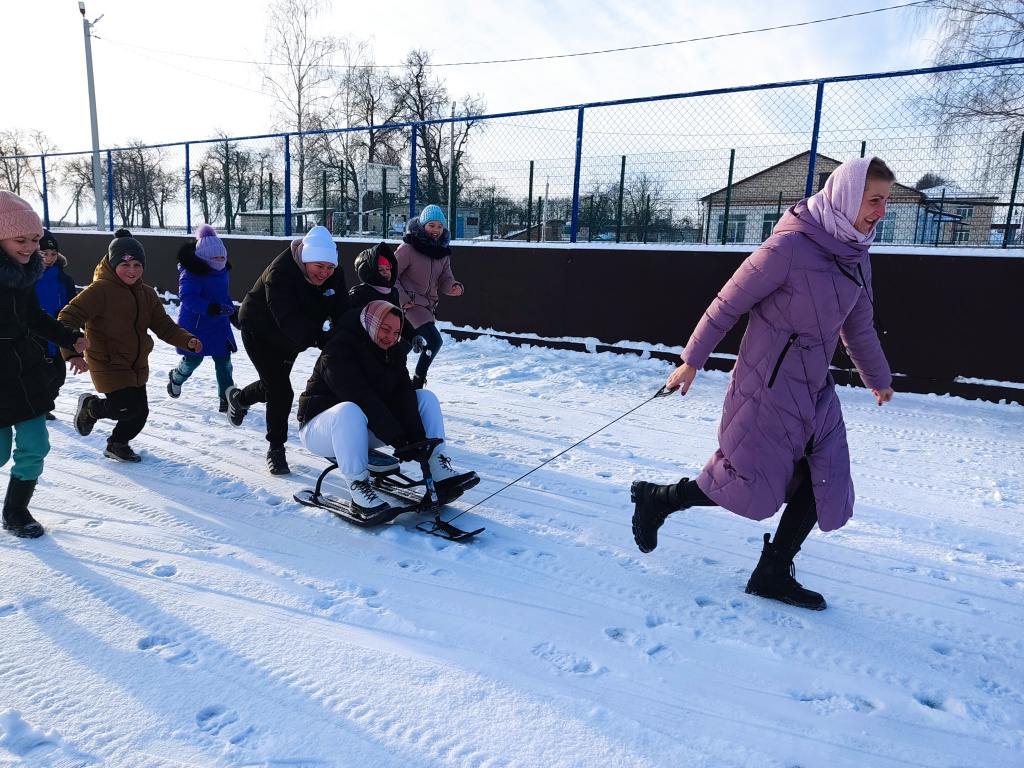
x=757 y=202
x=953 y=216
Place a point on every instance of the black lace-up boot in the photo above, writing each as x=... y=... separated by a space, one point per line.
x=775 y=578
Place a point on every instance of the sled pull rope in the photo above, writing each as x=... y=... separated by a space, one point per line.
x=664 y=391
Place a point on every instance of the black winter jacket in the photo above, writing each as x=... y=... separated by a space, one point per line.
x=287 y=311
x=353 y=369
x=370 y=277
x=24 y=330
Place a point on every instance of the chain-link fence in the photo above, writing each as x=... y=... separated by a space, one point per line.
x=716 y=166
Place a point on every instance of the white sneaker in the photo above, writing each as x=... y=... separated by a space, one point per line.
x=446 y=478
x=365 y=500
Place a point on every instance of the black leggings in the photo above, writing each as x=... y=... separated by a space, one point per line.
x=800 y=514
x=129 y=407
x=274 y=387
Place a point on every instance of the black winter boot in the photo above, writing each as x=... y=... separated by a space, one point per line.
x=17 y=519
x=656 y=502
x=276 y=462
x=773 y=578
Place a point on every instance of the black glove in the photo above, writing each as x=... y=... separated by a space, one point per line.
x=234 y=319
x=411 y=448
x=215 y=309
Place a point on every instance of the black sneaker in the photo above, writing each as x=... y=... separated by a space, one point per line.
x=276 y=462
x=84 y=420
x=236 y=411
x=121 y=452
x=173 y=387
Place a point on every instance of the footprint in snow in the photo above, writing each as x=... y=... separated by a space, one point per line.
x=164 y=571
x=564 y=661
x=830 y=702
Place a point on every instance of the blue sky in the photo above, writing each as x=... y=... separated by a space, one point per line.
x=156 y=97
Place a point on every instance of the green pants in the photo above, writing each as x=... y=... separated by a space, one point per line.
x=31 y=443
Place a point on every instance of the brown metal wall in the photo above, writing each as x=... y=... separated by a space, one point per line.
x=945 y=316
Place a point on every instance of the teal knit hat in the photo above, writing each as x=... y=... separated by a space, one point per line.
x=433 y=213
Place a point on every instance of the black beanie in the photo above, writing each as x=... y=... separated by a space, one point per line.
x=124 y=248
x=48 y=242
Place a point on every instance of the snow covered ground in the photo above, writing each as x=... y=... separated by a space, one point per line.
x=186 y=612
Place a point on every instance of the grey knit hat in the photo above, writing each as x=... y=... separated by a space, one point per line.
x=124 y=248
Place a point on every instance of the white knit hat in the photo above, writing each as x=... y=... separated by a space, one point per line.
x=318 y=245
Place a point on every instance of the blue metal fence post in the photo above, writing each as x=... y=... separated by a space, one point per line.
x=287 y=185
x=728 y=201
x=188 y=192
x=412 y=174
x=574 y=229
x=809 y=188
x=110 y=187
x=46 y=199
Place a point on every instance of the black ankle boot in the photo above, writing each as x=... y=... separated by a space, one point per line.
x=653 y=504
x=17 y=519
x=773 y=578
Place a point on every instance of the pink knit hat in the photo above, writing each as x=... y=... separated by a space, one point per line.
x=373 y=315
x=17 y=217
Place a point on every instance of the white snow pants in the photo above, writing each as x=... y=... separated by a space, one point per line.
x=341 y=431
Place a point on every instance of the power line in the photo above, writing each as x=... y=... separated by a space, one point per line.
x=554 y=56
x=174 y=66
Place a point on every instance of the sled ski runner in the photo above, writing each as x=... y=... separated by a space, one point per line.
x=402 y=493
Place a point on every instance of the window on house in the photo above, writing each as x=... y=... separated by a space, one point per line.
x=965 y=211
x=822 y=178
x=770 y=220
x=962 y=235
x=737 y=227
x=886 y=231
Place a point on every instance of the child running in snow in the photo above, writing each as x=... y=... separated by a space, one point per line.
x=424 y=268
x=117 y=311
x=54 y=289
x=25 y=394
x=205 y=310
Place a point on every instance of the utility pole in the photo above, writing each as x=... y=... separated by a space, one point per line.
x=97 y=180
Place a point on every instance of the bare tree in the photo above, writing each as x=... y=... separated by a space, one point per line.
x=643 y=195
x=298 y=70
x=980 y=30
x=76 y=178
x=422 y=97
x=20 y=174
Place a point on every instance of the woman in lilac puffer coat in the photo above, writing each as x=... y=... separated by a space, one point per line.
x=782 y=437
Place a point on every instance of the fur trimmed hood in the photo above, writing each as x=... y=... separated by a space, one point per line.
x=20 y=276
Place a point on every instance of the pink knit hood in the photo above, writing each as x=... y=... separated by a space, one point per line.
x=837 y=205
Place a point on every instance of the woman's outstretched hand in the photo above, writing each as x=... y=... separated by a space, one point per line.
x=682 y=377
x=883 y=395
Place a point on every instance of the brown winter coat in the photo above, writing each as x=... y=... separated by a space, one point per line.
x=117 y=318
